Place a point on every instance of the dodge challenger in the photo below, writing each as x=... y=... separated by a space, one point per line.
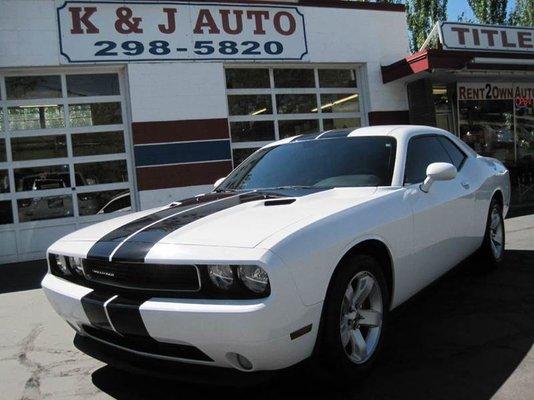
x=304 y=249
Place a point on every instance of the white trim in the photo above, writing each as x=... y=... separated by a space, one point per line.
x=107 y=314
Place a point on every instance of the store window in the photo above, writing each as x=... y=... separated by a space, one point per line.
x=267 y=104
x=63 y=148
x=487 y=126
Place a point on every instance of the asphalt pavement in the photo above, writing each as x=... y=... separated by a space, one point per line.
x=468 y=336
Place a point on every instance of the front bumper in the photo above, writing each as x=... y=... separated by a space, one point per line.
x=259 y=330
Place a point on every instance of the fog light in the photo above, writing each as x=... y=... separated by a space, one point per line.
x=222 y=276
x=239 y=361
x=244 y=362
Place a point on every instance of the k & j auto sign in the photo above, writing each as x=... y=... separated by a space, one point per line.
x=151 y=31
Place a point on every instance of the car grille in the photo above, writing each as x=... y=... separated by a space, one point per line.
x=146 y=277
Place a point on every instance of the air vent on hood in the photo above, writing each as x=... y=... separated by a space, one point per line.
x=280 y=202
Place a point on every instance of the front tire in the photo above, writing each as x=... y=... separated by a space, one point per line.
x=491 y=253
x=356 y=313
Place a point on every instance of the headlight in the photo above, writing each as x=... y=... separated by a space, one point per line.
x=222 y=276
x=75 y=264
x=254 y=278
x=61 y=264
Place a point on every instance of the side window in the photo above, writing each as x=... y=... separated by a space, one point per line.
x=455 y=153
x=422 y=151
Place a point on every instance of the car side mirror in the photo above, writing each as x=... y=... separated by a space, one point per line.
x=218 y=182
x=439 y=171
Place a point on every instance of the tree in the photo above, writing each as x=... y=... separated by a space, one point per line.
x=489 y=11
x=421 y=16
x=523 y=13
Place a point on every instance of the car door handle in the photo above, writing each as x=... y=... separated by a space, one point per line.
x=465 y=185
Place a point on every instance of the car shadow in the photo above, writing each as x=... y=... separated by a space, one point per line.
x=21 y=276
x=460 y=338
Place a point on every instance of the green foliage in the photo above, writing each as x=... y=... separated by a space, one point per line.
x=523 y=13
x=422 y=15
x=489 y=11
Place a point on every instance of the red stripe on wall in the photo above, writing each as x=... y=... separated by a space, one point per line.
x=179 y=175
x=177 y=131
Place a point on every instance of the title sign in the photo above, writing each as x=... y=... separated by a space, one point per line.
x=521 y=93
x=458 y=36
x=151 y=31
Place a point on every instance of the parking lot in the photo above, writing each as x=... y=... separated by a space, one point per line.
x=468 y=336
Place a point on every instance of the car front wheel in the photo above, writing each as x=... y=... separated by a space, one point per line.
x=355 y=316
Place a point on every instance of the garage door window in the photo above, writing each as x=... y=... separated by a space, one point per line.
x=267 y=104
x=63 y=147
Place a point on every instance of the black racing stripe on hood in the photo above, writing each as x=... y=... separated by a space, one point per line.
x=103 y=248
x=137 y=247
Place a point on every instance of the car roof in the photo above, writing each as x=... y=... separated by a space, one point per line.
x=402 y=133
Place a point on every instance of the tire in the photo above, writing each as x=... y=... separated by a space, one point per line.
x=344 y=327
x=491 y=252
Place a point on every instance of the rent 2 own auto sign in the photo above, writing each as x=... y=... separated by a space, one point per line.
x=150 y=31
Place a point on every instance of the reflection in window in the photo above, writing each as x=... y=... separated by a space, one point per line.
x=341 y=123
x=104 y=202
x=249 y=105
x=247 y=78
x=487 y=126
x=102 y=172
x=296 y=103
x=1 y=119
x=40 y=208
x=294 y=78
x=525 y=137
x=4 y=181
x=3 y=157
x=36 y=117
x=6 y=213
x=37 y=147
x=249 y=131
x=297 y=127
x=42 y=178
x=93 y=85
x=339 y=102
x=333 y=78
x=239 y=155
x=95 y=114
x=33 y=87
x=89 y=144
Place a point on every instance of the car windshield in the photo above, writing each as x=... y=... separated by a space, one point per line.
x=321 y=163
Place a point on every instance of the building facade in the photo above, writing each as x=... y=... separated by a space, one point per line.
x=478 y=82
x=107 y=107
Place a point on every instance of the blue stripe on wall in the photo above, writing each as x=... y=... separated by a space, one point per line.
x=174 y=153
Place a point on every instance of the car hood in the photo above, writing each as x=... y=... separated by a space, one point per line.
x=214 y=219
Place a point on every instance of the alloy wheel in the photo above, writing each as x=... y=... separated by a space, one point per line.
x=361 y=317
x=496 y=233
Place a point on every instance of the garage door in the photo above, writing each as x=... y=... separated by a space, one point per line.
x=64 y=157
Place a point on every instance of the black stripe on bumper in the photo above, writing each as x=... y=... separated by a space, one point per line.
x=93 y=305
x=127 y=328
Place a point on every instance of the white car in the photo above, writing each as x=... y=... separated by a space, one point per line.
x=302 y=250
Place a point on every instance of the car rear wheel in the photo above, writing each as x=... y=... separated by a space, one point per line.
x=491 y=252
x=356 y=312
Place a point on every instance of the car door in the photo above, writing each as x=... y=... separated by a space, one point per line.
x=442 y=218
